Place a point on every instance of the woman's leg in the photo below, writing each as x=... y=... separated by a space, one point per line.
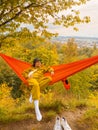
x=35 y=90
x=44 y=82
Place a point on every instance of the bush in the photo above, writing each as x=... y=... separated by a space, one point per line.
x=91 y=119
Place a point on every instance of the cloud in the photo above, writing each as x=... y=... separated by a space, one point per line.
x=90 y=29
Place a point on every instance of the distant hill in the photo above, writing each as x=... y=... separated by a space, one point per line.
x=81 y=41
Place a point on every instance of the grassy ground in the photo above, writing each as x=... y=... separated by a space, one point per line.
x=81 y=113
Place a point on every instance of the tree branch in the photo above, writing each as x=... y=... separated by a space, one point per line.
x=18 y=13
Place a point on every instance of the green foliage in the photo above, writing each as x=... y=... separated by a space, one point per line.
x=83 y=82
x=9 y=77
x=69 y=51
x=94 y=79
x=86 y=50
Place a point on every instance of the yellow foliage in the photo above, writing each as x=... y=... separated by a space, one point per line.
x=6 y=101
x=47 y=98
x=93 y=100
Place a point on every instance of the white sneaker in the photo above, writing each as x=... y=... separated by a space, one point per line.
x=37 y=111
x=57 y=125
x=65 y=124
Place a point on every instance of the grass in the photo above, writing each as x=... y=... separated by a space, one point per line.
x=17 y=113
x=51 y=105
x=49 y=115
x=90 y=119
x=56 y=106
x=9 y=117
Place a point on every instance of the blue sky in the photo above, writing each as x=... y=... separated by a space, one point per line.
x=90 y=29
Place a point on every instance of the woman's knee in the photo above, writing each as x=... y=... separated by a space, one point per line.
x=33 y=82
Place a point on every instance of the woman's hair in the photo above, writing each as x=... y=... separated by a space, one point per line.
x=35 y=60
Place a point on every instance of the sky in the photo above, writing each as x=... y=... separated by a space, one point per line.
x=85 y=30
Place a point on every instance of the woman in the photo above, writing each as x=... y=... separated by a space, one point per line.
x=37 y=80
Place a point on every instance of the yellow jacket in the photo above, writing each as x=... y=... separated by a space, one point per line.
x=37 y=73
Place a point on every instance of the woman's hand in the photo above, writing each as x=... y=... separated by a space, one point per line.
x=52 y=73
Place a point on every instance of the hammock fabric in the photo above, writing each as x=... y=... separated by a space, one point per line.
x=61 y=71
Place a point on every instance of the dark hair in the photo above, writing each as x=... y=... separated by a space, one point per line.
x=35 y=60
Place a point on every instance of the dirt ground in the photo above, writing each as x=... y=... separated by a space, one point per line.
x=30 y=124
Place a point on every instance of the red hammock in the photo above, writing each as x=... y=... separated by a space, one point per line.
x=61 y=71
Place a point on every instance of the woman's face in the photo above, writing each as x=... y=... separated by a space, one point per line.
x=38 y=64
